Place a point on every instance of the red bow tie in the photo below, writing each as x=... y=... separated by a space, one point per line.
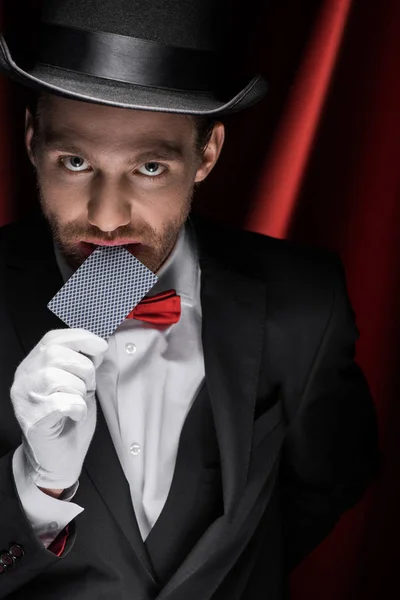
x=162 y=309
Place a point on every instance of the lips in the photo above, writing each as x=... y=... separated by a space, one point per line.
x=88 y=247
x=122 y=242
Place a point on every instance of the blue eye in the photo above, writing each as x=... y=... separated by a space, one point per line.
x=151 y=169
x=75 y=163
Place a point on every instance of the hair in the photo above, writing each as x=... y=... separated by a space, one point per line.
x=36 y=103
x=204 y=127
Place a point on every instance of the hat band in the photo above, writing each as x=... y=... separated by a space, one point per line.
x=127 y=59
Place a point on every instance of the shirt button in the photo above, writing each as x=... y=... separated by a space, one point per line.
x=53 y=525
x=134 y=449
x=130 y=348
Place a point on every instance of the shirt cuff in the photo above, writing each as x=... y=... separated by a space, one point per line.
x=48 y=516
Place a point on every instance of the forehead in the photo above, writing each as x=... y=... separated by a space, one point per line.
x=99 y=124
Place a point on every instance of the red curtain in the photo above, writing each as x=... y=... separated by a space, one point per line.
x=315 y=162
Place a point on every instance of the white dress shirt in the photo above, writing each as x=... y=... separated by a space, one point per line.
x=146 y=386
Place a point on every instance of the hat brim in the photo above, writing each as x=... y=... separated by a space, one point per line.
x=87 y=88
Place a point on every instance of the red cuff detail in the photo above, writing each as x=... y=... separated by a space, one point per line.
x=58 y=545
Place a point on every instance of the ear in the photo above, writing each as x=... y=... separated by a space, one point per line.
x=211 y=153
x=29 y=131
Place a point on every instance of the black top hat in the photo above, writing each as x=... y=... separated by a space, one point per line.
x=162 y=55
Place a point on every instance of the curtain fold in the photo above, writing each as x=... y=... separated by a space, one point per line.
x=288 y=158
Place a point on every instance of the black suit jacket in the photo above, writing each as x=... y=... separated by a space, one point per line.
x=294 y=420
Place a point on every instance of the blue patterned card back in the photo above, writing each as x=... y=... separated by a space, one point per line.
x=103 y=291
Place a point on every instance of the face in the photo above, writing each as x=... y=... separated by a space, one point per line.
x=116 y=176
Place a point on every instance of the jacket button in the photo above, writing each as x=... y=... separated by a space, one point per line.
x=16 y=551
x=6 y=560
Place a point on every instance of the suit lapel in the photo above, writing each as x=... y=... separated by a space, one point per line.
x=33 y=279
x=233 y=328
x=234 y=317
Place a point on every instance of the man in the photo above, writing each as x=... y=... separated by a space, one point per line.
x=198 y=457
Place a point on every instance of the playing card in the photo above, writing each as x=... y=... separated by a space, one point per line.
x=103 y=291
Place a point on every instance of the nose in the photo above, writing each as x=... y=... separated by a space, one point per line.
x=109 y=206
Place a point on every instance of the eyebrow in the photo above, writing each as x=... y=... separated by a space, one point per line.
x=153 y=148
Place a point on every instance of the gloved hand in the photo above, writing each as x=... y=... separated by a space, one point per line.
x=53 y=396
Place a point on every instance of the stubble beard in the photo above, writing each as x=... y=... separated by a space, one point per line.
x=152 y=253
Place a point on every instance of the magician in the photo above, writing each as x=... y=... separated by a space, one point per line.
x=206 y=447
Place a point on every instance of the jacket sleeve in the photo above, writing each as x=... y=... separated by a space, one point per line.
x=331 y=449
x=18 y=538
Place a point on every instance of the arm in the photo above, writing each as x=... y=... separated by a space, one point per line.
x=15 y=528
x=331 y=448
x=47 y=515
x=55 y=461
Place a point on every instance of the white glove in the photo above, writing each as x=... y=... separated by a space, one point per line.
x=53 y=396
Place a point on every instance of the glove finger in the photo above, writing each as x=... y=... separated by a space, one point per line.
x=79 y=340
x=33 y=397
x=54 y=379
x=70 y=361
x=58 y=406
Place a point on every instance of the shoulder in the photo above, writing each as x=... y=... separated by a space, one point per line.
x=31 y=222
x=29 y=234
x=280 y=263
